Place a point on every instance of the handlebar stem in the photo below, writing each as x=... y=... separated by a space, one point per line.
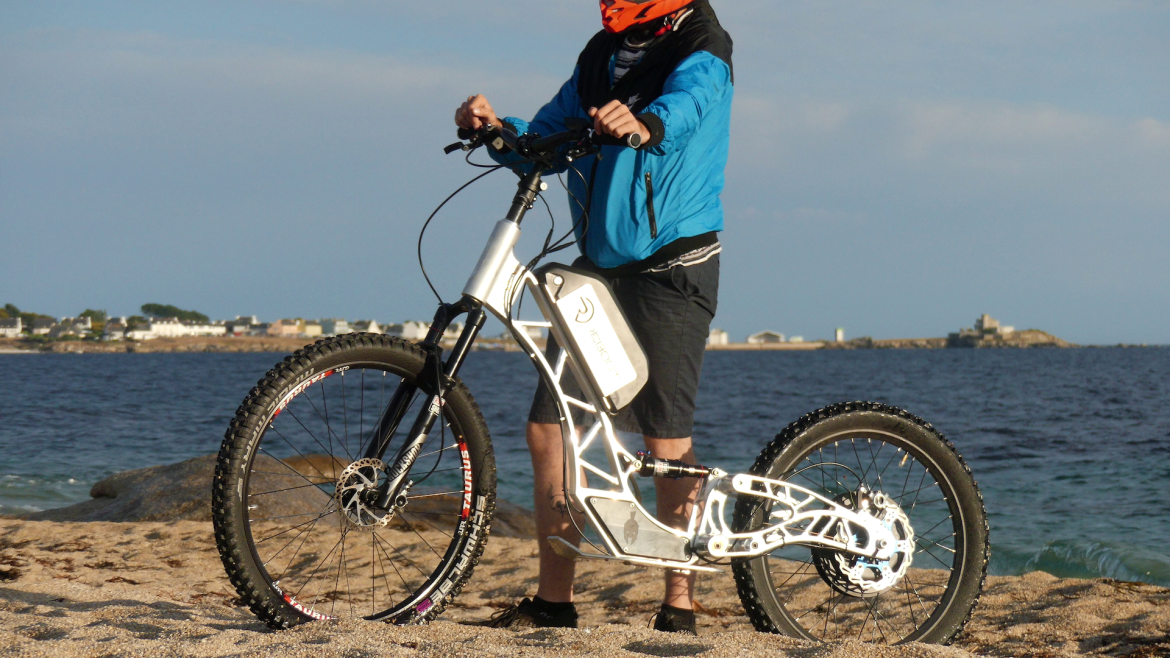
x=526 y=192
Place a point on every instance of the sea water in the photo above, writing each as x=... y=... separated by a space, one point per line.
x=1070 y=447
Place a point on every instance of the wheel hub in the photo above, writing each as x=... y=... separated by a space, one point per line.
x=357 y=491
x=858 y=575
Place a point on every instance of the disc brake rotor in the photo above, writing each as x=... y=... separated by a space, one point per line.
x=356 y=489
x=866 y=577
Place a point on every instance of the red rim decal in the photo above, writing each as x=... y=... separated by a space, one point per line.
x=466 y=457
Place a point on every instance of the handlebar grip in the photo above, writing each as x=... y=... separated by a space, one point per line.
x=633 y=140
x=465 y=133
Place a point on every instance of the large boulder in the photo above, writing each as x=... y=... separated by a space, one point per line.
x=180 y=492
x=183 y=492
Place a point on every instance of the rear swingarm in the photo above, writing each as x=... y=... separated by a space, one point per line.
x=803 y=518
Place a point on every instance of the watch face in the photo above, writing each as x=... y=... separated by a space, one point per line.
x=634 y=140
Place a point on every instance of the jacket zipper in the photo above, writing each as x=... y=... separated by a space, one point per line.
x=650 y=207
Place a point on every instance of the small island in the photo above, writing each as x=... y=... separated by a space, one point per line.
x=987 y=333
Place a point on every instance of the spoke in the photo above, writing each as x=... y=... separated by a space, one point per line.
x=873 y=462
x=294 y=448
x=299 y=486
x=432 y=495
x=324 y=480
x=348 y=587
x=424 y=539
x=927 y=531
x=923 y=549
x=337 y=579
x=289 y=542
x=891 y=461
x=868 y=614
x=318 y=568
x=906 y=481
x=433 y=452
x=345 y=416
x=431 y=525
x=916 y=491
x=801 y=571
x=949 y=550
x=921 y=603
x=455 y=514
x=322 y=514
x=291 y=560
x=442 y=470
x=853 y=443
x=877 y=618
x=403 y=556
x=824 y=487
x=314 y=436
x=378 y=541
x=832 y=609
x=287 y=516
x=373 y=582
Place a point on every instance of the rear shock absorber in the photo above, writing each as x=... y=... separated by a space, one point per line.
x=648 y=466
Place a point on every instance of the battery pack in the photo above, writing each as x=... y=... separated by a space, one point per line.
x=604 y=352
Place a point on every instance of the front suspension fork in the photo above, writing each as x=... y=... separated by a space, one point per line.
x=433 y=381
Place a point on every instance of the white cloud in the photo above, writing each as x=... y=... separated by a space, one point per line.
x=1153 y=134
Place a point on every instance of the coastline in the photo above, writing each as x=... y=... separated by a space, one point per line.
x=1027 y=339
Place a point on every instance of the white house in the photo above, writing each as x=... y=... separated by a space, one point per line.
x=41 y=326
x=718 y=337
x=140 y=333
x=115 y=329
x=411 y=330
x=456 y=328
x=765 y=337
x=173 y=328
x=367 y=326
x=334 y=326
x=10 y=327
x=285 y=329
x=241 y=326
x=83 y=322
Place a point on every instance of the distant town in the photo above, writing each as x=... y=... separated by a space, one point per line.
x=159 y=321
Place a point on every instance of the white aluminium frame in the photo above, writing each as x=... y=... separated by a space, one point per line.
x=803 y=517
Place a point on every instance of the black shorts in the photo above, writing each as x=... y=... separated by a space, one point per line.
x=670 y=312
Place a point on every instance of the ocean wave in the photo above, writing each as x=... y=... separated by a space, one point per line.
x=1084 y=559
x=41 y=492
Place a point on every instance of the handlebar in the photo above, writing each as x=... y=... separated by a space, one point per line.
x=537 y=147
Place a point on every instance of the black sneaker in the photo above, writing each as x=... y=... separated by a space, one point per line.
x=532 y=614
x=675 y=620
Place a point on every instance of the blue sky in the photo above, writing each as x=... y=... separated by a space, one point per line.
x=896 y=168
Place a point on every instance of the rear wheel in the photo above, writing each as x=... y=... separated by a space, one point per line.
x=862 y=449
x=292 y=504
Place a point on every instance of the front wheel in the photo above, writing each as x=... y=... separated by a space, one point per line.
x=292 y=501
x=846 y=452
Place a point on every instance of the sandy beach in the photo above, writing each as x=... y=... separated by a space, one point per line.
x=158 y=589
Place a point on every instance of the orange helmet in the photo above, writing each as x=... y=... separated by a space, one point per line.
x=618 y=15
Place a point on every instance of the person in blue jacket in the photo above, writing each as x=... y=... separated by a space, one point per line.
x=648 y=221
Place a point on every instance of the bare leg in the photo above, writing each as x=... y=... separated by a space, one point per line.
x=675 y=499
x=552 y=514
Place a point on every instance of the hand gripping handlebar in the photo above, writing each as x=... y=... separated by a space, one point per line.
x=535 y=146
